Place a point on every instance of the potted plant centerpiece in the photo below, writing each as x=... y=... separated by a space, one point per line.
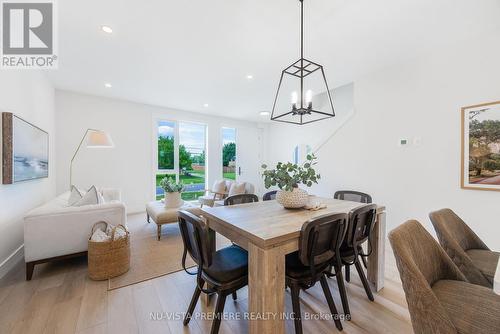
x=287 y=177
x=172 y=192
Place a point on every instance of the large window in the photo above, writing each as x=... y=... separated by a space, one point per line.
x=181 y=156
x=229 y=153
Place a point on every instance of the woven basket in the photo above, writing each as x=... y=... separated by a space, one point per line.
x=109 y=258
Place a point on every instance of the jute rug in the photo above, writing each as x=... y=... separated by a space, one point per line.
x=150 y=258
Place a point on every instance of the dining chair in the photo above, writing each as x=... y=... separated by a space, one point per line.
x=319 y=243
x=360 y=226
x=474 y=259
x=241 y=199
x=440 y=299
x=351 y=195
x=224 y=271
x=269 y=196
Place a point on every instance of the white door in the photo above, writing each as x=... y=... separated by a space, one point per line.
x=249 y=157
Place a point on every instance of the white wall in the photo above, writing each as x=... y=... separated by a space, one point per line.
x=129 y=166
x=420 y=99
x=30 y=96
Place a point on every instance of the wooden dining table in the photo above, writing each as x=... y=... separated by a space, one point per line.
x=268 y=232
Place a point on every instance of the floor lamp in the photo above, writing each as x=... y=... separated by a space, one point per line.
x=95 y=139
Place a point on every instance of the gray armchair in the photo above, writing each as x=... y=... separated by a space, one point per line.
x=440 y=299
x=471 y=255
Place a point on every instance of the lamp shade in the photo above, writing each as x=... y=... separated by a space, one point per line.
x=99 y=139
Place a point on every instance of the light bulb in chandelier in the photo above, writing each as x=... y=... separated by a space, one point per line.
x=295 y=100
x=309 y=98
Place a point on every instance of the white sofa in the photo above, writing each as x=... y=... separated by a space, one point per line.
x=56 y=230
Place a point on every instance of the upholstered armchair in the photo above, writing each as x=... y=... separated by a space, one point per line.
x=222 y=189
x=474 y=259
x=218 y=192
x=440 y=299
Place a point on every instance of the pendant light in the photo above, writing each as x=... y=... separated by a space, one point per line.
x=303 y=95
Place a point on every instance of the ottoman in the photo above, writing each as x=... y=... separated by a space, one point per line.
x=157 y=212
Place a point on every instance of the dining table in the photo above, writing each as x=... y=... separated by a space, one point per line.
x=269 y=232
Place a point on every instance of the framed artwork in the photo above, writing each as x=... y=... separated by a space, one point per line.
x=25 y=150
x=481 y=147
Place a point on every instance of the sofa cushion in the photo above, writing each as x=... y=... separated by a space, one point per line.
x=471 y=308
x=484 y=260
x=90 y=198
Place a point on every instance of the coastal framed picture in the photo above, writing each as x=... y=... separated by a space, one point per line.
x=481 y=147
x=25 y=150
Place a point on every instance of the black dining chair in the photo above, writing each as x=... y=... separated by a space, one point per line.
x=269 y=196
x=224 y=271
x=319 y=243
x=360 y=226
x=351 y=195
x=241 y=199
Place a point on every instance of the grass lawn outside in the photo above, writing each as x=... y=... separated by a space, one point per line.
x=195 y=178
x=229 y=176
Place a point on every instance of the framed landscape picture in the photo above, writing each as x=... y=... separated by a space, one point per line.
x=25 y=150
x=481 y=146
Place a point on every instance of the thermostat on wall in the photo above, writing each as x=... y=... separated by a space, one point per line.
x=403 y=142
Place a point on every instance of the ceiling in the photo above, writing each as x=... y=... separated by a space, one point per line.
x=185 y=54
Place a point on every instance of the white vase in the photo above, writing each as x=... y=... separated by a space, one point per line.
x=292 y=199
x=173 y=200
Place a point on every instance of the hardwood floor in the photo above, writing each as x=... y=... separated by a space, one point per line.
x=62 y=299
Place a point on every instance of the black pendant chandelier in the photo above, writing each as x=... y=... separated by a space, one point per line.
x=303 y=95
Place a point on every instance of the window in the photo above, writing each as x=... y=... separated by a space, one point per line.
x=229 y=153
x=166 y=133
x=192 y=159
x=181 y=156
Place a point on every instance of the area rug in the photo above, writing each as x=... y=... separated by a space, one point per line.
x=150 y=258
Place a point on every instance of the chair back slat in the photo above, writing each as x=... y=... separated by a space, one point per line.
x=320 y=238
x=196 y=238
x=241 y=199
x=360 y=226
x=354 y=196
x=269 y=196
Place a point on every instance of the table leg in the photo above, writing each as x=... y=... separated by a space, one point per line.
x=376 y=261
x=266 y=284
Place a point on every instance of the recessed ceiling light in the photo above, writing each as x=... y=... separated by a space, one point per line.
x=107 y=29
x=249 y=76
x=108 y=85
x=206 y=105
x=264 y=113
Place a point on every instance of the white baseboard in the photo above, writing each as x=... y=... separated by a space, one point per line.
x=11 y=261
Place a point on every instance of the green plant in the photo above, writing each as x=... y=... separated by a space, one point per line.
x=288 y=176
x=170 y=186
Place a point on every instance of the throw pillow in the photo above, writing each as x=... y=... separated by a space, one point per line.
x=237 y=188
x=74 y=196
x=219 y=187
x=89 y=198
